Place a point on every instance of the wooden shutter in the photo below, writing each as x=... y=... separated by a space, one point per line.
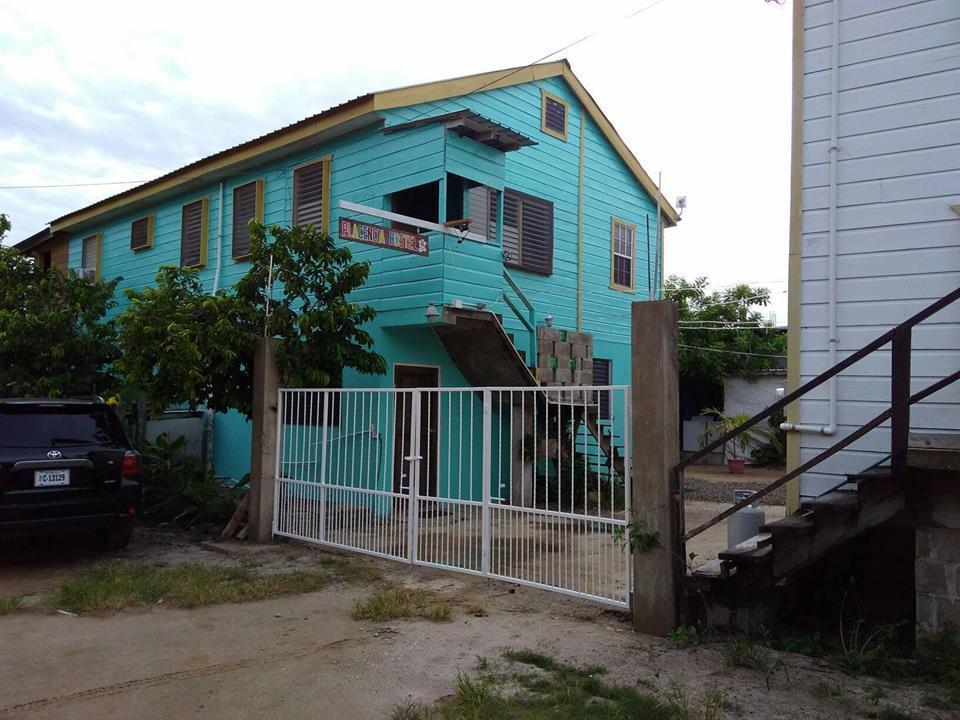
x=528 y=223
x=247 y=206
x=193 y=234
x=601 y=376
x=482 y=211
x=310 y=195
x=141 y=234
x=554 y=116
x=90 y=253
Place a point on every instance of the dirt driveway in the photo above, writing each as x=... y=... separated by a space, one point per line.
x=303 y=656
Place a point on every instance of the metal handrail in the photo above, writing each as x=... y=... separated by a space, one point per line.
x=898 y=412
x=529 y=322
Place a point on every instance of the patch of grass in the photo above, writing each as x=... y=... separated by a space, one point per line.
x=10 y=603
x=113 y=586
x=394 y=601
x=683 y=636
x=552 y=689
x=744 y=651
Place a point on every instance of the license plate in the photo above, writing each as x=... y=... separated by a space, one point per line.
x=51 y=478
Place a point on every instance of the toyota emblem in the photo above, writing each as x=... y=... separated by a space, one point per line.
x=54 y=454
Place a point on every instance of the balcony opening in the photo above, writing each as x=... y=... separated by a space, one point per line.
x=421 y=202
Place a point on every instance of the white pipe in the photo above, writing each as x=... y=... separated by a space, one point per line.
x=216 y=272
x=832 y=153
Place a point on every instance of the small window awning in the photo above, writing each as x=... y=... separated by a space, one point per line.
x=474 y=126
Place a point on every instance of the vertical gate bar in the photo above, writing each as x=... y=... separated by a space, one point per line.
x=413 y=473
x=627 y=480
x=322 y=530
x=485 y=479
x=277 y=459
x=900 y=401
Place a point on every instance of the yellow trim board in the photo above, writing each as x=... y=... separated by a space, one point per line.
x=794 y=276
x=365 y=105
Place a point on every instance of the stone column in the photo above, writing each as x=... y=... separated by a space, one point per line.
x=264 y=447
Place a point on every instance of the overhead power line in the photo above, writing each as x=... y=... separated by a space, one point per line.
x=70 y=185
x=730 y=352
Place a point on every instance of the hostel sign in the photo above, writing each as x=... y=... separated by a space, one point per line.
x=384 y=237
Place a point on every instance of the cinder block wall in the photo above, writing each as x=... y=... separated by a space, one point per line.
x=564 y=357
x=937 y=570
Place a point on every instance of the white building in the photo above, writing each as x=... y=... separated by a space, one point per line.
x=875 y=217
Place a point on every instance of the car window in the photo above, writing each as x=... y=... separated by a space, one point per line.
x=58 y=426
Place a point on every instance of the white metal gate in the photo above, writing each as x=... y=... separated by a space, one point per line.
x=530 y=485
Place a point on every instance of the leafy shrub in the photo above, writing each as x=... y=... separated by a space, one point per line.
x=181 y=489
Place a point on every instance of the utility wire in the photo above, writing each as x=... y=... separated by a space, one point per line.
x=70 y=185
x=729 y=352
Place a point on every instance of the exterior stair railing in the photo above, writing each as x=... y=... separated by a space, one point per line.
x=527 y=316
x=898 y=413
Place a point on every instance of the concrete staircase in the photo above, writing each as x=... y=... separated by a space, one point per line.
x=783 y=547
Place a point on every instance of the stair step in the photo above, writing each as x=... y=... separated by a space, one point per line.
x=715 y=569
x=838 y=501
x=752 y=550
x=790 y=525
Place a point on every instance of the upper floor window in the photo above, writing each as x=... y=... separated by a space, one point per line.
x=553 y=115
x=527 y=232
x=193 y=233
x=141 y=233
x=311 y=202
x=623 y=238
x=90 y=255
x=247 y=206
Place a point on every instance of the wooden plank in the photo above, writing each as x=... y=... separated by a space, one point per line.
x=744 y=549
x=838 y=501
x=798 y=524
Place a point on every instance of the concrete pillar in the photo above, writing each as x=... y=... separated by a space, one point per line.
x=264 y=447
x=522 y=455
x=655 y=438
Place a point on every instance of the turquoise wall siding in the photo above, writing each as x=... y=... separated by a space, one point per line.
x=366 y=166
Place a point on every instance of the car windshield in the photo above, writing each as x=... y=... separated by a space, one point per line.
x=23 y=426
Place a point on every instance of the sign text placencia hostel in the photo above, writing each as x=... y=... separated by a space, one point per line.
x=384 y=237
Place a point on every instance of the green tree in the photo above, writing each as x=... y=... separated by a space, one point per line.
x=4 y=226
x=54 y=340
x=183 y=346
x=722 y=333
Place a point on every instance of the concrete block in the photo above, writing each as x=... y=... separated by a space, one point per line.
x=561 y=350
x=926 y=614
x=545 y=359
x=544 y=348
x=578 y=350
x=546 y=375
x=563 y=375
x=580 y=338
x=585 y=364
x=924 y=546
x=583 y=377
x=548 y=333
x=944 y=544
x=931 y=577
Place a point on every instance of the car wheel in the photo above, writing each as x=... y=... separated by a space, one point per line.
x=116 y=537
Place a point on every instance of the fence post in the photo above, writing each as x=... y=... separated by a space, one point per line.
x=485 y=478
x=900 y=401
x=263 y=455
x=328 y=398
x=657 y=573
x=413 y=474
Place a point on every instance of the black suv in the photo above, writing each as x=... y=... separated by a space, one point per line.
x=66 y=465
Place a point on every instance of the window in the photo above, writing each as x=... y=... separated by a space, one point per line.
x=47 y=260
x=141 y=234
x=601 y=376
x=247 y=206
x=90 y=255
x=193 y=233
x=553 y=113
x=527 y=232
x=421 y=202
x=310 y=196
x=623 y=248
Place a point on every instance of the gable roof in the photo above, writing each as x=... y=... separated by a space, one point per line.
x=353 y=112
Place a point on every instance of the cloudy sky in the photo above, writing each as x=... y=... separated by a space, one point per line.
x=699 y=89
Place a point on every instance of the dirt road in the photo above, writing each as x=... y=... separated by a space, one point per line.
x=304 y=657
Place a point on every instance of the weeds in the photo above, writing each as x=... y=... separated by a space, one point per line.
x=113 y=586
x=744 y=651
x=10 y=603
x=552 y=689
x=394 y=601
x=683 y=636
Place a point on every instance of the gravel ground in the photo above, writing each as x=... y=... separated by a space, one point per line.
x=721 y=491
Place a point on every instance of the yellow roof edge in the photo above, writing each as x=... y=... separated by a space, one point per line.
x=372 y=102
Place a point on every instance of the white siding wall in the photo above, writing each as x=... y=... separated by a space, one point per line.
x=898 y=241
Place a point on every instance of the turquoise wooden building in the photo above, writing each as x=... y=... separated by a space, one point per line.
x=532 y=212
